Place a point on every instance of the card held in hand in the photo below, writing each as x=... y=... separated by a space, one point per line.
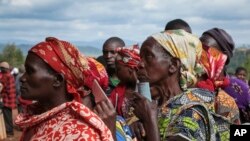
x=98 y=92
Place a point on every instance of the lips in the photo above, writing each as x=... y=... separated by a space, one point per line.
x=23 y=89
x=110 y=62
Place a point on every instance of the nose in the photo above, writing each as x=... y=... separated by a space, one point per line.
x=141 y=65
x=110 y=55
x=22 y=78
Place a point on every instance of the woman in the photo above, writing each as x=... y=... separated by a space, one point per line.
x=241 y=73
x=218 y=48
x=127 y=60
x=169 y=62
x=54 y=77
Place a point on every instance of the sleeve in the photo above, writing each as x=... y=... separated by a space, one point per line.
x=189 y=125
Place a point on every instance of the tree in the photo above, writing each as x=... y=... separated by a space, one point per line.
x=12 y=55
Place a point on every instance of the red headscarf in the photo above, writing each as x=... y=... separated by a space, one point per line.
x=129 y=56
x=213 y=62
x=78 y=70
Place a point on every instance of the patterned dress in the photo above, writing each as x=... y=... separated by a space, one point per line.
x=192 y=114
x=70 y=121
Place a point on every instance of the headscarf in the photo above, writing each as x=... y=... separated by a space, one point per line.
x=240 y=91
x=223 y=39
x=213 y=62
x=78 y=70
x=187 y=48
x=129 y=56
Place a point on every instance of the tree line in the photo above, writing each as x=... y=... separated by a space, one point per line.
x=13 y=55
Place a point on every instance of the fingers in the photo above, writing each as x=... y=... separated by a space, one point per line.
x=136 y=95
x=136 y=131
x=105 y=109
x=142 y=130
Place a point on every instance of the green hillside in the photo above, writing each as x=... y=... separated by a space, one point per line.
x=241 y=58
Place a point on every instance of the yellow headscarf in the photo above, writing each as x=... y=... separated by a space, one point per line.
x=187 y=48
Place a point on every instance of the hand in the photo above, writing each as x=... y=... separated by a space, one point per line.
x=143 y=108
x=138 y=130
x=245 y=115
x=146 y=111
x=107 y=113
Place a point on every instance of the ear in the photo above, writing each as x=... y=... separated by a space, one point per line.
x=58 y=80
x=130 y=70
x=175 y=65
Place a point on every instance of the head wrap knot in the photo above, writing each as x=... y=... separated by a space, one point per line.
x=129 y=56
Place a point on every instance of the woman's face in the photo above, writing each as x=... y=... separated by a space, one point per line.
x=125 y=74
x=37 y=81
x=154 y=62
x=241 y=75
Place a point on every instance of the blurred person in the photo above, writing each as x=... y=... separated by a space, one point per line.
x=241 y=73
x=218 y=48
x=127 y=60
x=178 y=24
x=8 y=95
x=109 y=55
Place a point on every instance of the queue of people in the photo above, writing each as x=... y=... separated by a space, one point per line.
x=192 y=96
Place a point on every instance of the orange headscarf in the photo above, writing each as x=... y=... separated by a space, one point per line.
x=78 y=70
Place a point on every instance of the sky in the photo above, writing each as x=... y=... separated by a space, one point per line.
x=131 y=20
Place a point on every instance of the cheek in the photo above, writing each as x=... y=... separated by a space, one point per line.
x=39 y=83
x=122 y=74
x=156 y=72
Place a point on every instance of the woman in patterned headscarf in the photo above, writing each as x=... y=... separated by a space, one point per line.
x=127 y=60
x=55 y=76
x=169 y=61
x=218 y=48
x=213 y=62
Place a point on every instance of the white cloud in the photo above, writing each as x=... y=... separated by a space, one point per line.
x=132 y=20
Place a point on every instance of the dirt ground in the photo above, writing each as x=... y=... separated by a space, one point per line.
x=17 y=135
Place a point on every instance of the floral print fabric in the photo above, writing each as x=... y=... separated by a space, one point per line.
x=69 y=121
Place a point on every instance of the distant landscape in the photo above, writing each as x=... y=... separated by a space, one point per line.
x=86 y=50
x=241 y=55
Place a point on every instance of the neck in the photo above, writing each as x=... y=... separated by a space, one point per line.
x=54 y=101
x=169 y=88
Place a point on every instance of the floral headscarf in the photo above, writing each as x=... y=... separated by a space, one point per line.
x=78 y=70
x=213 y=62
x=129 y=56
x=187 y=48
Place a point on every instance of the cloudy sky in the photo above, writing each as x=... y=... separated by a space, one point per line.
x=134 y=20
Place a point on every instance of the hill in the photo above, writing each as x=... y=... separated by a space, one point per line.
x=86 y=50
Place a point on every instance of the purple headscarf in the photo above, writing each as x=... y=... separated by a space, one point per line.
x=240 y=91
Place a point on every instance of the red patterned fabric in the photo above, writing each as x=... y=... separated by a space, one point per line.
x=65 y=58
x=9 y=90
x=70 y=121
x=129 y=56
x=117 y=97
x=213 y=62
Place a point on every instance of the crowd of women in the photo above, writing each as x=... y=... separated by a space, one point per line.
x=192 y=96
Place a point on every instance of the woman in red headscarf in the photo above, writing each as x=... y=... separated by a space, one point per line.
x=55 y=76
x=126 y=63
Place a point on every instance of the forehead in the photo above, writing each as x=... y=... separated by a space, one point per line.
x=112 y=45
x=33 y=60
x=151 y=46
x=209 y=41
